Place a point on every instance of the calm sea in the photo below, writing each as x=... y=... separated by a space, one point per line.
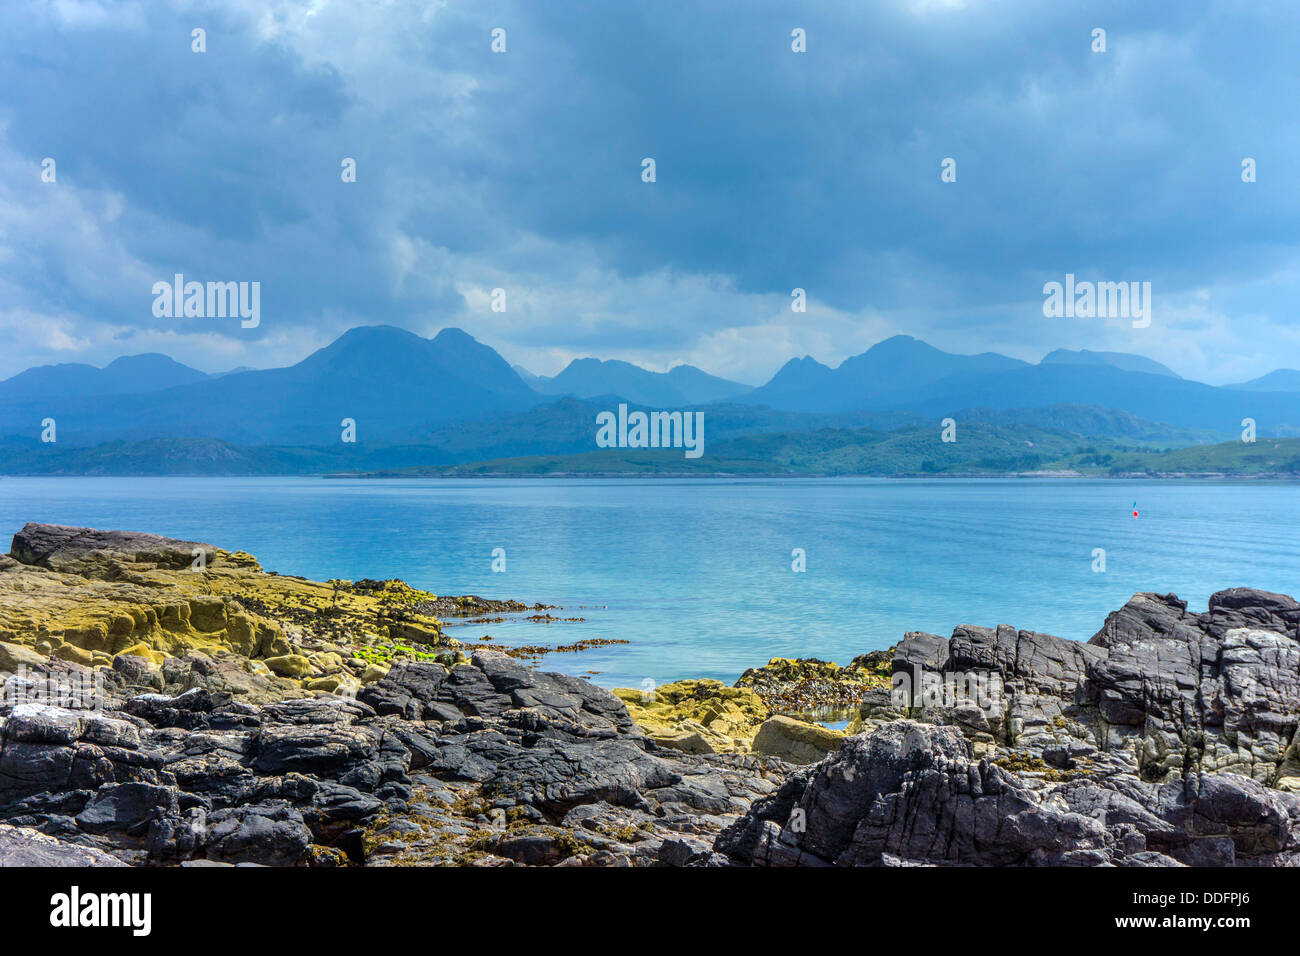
x=698 y=576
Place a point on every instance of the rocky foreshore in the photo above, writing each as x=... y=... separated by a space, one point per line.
x=168 y=702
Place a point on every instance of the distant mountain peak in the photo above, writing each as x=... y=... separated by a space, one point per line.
x=1278 y=380
x=806 y=362
x=376 y=333
x=1124 y=361
x=143 y=358
x=452 y=335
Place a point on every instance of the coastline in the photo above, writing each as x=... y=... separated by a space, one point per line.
x=241 y=716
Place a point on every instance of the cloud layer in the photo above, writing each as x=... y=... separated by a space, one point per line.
x=522 y=170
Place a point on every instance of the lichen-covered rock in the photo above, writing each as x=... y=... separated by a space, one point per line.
x=290 y=665
x=90 y=597
x=15 y=656
x=697 y=716
x=795 y=741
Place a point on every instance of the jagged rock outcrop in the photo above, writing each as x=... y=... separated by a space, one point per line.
x=1212 y=691
x=913 y=793
x=164 y=710
x=1158 y=691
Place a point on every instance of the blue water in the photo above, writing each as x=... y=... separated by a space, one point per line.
x=697 y=574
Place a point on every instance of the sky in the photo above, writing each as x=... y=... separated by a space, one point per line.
x=522 y=170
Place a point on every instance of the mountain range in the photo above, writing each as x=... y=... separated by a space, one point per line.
x=905 y=373
x=449 y=399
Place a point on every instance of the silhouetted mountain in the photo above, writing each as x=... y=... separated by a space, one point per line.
x=392 y=383
x=131 y=373
x=1120 y=360
x=1279 y=380
x=683 y=385
x=898 y=365
x=802 y=383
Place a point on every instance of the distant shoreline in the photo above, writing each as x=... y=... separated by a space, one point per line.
x=718 y=475
x=1164 y=476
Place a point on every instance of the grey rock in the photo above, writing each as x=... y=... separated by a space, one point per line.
x=23 y=846
x=1158 y=691
x=408 y=690
x=127 y=808
x=59 y=547
x=273 y=835
x=913 y=793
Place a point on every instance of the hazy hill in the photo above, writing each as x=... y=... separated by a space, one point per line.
x=678 y=387
x=1278 y=380
x=559 y=436
x=393 y=383
x=131 y=373
x=981 y=449
x=901 y=366
x=1157 y=398
x=1119 y=360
